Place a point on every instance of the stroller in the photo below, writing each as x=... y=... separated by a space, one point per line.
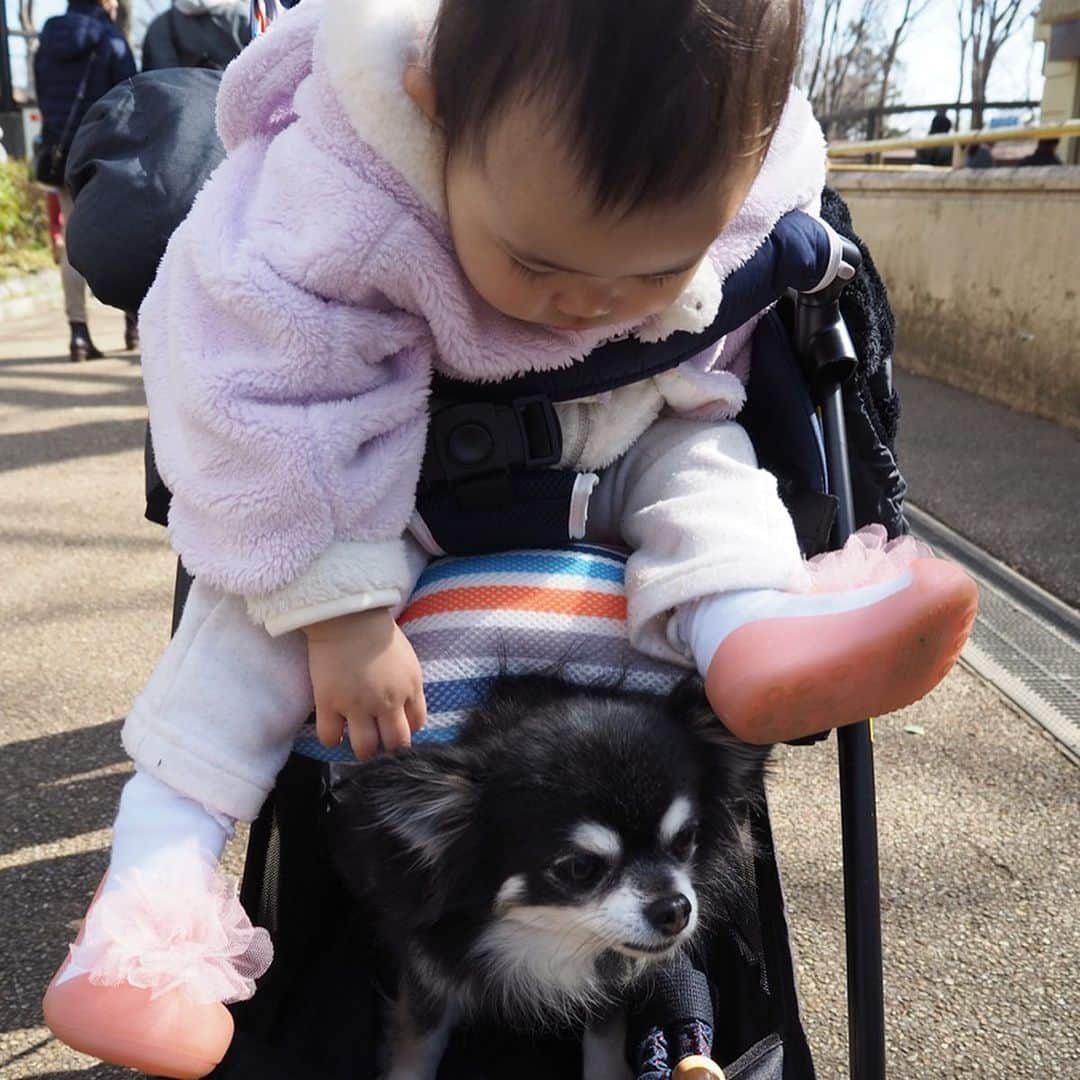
x=318 y=1013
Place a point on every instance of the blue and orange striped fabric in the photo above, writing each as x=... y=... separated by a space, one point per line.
x=473 y=618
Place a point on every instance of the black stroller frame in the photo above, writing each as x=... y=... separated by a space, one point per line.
x=824 y=346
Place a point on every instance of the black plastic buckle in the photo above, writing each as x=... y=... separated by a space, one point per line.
x=466 y=440
x=477 y=444
x=540 y=431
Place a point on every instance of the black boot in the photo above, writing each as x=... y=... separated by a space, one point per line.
x=82 y=347
x=131 y=331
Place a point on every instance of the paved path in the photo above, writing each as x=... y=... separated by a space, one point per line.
x=1007 y=481
x=978 y=815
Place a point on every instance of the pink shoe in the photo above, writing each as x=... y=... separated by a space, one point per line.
x=125 y=1025
x=866 y=651
x=155 y=970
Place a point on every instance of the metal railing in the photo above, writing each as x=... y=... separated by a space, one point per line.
x=958 y=140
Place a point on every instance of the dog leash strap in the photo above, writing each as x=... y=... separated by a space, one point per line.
x=677 y=1018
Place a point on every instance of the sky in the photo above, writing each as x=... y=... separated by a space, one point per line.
x=930 y=55
x=931 y=60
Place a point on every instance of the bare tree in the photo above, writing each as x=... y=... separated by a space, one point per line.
x=911 y=11
x=984 y=26
x=843 y=62
x=26 y=16
x=822 y=50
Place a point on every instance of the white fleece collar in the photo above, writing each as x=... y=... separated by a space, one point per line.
x=366 y=46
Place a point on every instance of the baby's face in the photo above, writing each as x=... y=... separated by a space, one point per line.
x=533 y=246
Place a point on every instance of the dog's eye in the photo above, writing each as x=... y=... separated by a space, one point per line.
x=579 y=870
x=684 y=842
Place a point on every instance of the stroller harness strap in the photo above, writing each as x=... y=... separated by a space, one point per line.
x=488 y=481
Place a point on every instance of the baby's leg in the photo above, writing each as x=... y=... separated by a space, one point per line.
x=219 y=713
x=700 y=518
x=165 y=942
x=716 y=576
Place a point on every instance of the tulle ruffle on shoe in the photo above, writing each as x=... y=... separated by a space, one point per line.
x=178 y=924
x=868 y=558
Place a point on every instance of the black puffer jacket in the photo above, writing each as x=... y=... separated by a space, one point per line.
x=197 y=33
x=136 y=164
x=81 y=42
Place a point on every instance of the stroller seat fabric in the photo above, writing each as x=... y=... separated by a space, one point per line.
x=472 y=619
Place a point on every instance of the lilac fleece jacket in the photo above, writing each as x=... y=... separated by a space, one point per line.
x=299 y=311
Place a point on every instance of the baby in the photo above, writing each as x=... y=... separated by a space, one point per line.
x=499 y=191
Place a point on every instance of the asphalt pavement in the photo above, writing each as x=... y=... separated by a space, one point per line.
x=978 y=811
x=1007 y=481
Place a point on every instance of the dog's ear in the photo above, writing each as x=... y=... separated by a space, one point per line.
x=738 y=766
x=420 y=801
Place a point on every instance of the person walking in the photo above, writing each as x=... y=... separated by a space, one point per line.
x=81 y=55
x=197 y=33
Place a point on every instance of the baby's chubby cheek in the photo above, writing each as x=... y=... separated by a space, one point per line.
x=508 y=295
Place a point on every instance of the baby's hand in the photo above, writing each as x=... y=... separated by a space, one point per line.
x=364 y=670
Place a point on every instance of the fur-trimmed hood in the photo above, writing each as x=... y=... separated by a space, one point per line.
x=364 y=47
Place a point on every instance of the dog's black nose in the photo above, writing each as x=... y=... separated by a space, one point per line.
x=669 y=914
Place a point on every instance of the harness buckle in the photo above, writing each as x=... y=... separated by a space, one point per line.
x=477 y=444
x=540 y=429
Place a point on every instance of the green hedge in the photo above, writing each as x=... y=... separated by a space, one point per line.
x=24 y=227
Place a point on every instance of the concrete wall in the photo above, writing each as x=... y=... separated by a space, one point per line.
x=983 y=269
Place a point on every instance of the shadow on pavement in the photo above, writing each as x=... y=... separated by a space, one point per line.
x=50 y=792
x=51 y=795
x=22 y=450
x=98 y=1072
x=57 y=538
x=147 y=602
x=18 y=367
x=45 y=902
x=128 y=393
x=26 y=363
x=95 y=1072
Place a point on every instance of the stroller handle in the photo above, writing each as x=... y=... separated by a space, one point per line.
x=807 y=255
x=822 y=340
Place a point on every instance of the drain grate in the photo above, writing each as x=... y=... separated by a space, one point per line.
x=1025 y=641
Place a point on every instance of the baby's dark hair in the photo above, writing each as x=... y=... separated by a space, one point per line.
x=655 y=96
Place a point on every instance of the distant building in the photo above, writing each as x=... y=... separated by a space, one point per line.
x=1058 y=24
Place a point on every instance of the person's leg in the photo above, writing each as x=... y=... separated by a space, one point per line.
x=82 y=347
x=165 y=941
x=217 y=717
x=780 y=665
x=716 y=577
x=700 y=519
x=131 y=331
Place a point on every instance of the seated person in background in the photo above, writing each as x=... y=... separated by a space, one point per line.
x=1043 y=154
x=978 y=156
x=936 y=155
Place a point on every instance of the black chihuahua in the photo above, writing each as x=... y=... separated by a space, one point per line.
x=540 y=867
